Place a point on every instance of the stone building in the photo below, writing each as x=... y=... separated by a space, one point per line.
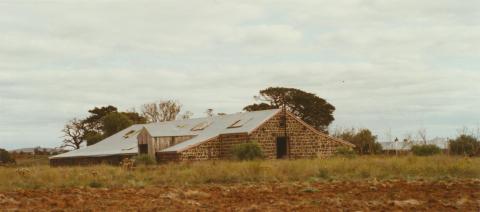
x=280 y=135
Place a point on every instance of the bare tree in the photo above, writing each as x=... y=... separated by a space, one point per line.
x=150 y=111
x=169 y=110
x=74 y=134
x=163 y=111
x=422 y=135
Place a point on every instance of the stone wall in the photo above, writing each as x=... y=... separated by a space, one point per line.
x=209 y=150
x=303 y=142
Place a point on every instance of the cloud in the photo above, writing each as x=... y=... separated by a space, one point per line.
x=402 y=65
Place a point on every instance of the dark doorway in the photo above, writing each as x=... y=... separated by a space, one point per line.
x=281 y=147
x=143 y=148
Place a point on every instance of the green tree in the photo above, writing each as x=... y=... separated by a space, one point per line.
x=308 y=106
x=93 y=137
x=5 y=157
x=115 y=122
x=94 y=121
x=135 y=117
x=95 y=130
x=365 y=142
x=464 y=145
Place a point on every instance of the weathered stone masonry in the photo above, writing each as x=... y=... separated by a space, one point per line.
x=303 y=142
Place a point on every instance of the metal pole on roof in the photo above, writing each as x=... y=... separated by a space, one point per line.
x=285 y=124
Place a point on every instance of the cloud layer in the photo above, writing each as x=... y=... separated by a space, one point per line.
x=396 y=65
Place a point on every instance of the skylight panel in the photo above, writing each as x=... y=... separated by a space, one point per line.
x=129 y=133
x=239 y=123
x=201 y=126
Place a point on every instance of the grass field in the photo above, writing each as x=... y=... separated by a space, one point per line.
x=435 y=168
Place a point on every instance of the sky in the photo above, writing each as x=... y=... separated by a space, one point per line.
x=394 y=67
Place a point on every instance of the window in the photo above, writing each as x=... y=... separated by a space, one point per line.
x=143 y=148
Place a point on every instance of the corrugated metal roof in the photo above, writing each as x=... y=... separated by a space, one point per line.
x=113 y=145
x=118 y=144
x=220 y=125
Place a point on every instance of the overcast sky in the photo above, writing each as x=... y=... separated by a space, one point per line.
x=401 y=65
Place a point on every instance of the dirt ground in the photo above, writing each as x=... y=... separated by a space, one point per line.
x=335 y=196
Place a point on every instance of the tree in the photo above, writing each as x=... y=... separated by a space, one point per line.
x=308 y=106
x=466 y=145
x=161 y=112
x=150 y=112
x=115 y=122
x=94 y=127
x=94 y=121
x=93 y=137
x=74 y=133
x=422 y=135
x=365 y=142
x=257 y=107
x=135 y=117
x=5 y=157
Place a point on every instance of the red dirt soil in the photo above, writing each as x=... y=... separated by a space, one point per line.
x=335 y=196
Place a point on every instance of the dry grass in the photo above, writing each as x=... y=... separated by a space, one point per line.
x=338 y=169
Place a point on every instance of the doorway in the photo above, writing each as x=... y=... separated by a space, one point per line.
x=281 y=147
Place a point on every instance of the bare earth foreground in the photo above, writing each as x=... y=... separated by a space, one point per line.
x=463 y=195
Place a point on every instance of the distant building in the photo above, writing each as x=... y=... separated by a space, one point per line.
x=405 y=146
x=280 y=135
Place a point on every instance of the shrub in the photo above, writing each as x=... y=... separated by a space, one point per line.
x=247 y=151
x=425 y=150
x=5 y=157
x=345 y=152
x=95 y=184
x=145 y=159
x=464 y=145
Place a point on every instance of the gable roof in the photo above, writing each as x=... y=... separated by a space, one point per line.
x=216 y=125
x=221 y=125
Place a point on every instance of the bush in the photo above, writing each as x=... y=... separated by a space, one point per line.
x=247 y=151
x=5 y=157
x=145 y=159
x=95 y=184
x=345 y=152
x=425 y=150
x=464 y=145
